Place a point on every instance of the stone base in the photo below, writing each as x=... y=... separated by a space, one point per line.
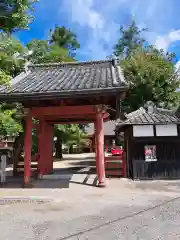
x=29 y=185
x=102 y=184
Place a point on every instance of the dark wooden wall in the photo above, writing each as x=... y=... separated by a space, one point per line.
x=167 y=165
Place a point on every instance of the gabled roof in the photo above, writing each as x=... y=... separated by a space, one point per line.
x=67 y=78
x=143 y=117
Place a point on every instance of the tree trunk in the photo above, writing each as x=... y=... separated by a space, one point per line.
x=71 y=149
x=58 y=146
x=18 y=148
x=17 y=151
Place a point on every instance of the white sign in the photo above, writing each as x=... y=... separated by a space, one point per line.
x=143 y=131
x=166 y=130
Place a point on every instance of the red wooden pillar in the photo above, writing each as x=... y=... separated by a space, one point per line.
x=49 y=150
x=95 y=143
x=45 y=164
x=27 y=149
x=100 y=149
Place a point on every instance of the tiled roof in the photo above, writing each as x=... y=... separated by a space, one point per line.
x=142 y=117
x=67 y=77
x=109 y=128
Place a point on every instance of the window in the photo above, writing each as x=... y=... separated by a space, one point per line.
x=143 y=131
x=166 y=130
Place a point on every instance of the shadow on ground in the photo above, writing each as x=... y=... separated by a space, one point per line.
x=76 y=157
x=84 y=163
x=76 y=171
x=61 y=182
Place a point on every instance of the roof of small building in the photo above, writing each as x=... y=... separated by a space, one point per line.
x=143 y=117
x=67 y=78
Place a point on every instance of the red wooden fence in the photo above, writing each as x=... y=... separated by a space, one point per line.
x=115 y=166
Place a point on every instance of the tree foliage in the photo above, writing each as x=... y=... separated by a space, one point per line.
x=69 y=134
x=65 y=38
x=10 y=50
x=130 y=39
x=151 y=77
x=11 y=64
x=149 y=72
x=9 y=126
x=4 y=78
x=16 y=14
x=43 y=52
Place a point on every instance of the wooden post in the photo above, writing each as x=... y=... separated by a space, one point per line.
x=95 y=143
x=100 y=148
x=27 y=149
x=40 y=147
x=45 y=164
x=49 y=149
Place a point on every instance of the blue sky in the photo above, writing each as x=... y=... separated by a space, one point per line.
x=96 y=23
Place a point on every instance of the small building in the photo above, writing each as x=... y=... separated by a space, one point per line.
x=152 y=143
x=109 y=134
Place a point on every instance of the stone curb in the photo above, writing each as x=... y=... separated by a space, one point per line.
x=19 y=199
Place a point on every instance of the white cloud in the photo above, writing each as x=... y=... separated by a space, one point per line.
x=103 y=19
x=84 y=14
x=165 y=41
x=177 y=66
x=100 y=38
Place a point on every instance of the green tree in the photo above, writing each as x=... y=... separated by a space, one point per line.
x=62 y=134
x=130 y=39
x=69 y=134
x=4 y=77
x=16 y=14
x=10 y=66
x=151 y=76
x=149 y=71
x=77 y=137
x=42 y=52
x=9 y=125
x=10 y=51
x=64 y=38
x=39 y=49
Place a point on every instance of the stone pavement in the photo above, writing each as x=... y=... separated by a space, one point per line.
x=70 y=206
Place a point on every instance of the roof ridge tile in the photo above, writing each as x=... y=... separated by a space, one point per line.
x=75 y=63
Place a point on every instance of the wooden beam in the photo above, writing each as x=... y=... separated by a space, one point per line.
x=69 y=117
x=73 y=121
x=63 y=110
x=70 y=122
x=75 y=118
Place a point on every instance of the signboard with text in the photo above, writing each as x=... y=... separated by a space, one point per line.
x=150 y=153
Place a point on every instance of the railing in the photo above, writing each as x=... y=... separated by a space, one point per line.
x=115 y=166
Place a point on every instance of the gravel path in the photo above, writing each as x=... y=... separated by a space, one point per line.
x=125 y=210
